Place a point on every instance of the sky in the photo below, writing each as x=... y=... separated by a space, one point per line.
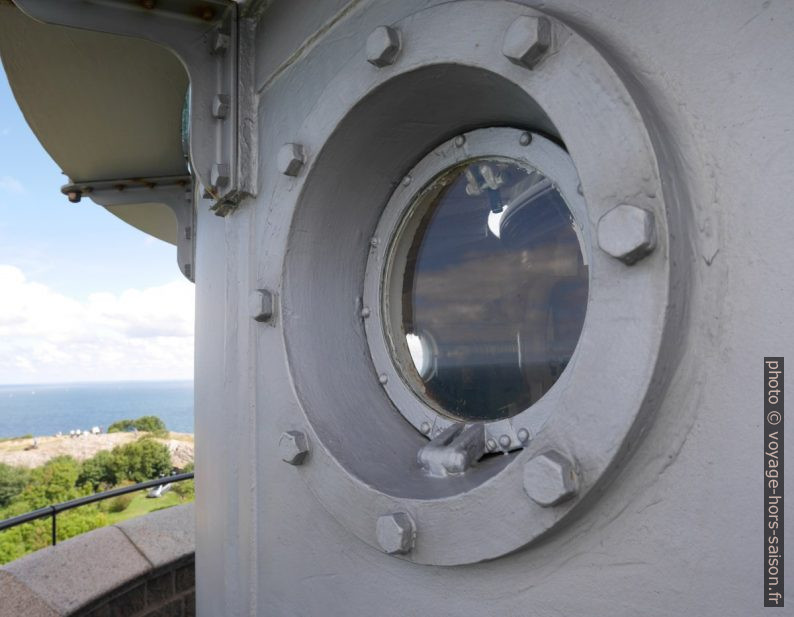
x=83 y=296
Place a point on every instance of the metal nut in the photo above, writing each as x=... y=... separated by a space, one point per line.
x=220 y=106
x=396 y=533
x=383 y=46
x=219 y=176
x=550 y=478
x=627 y=233
x=293 y=447
x=290 y=159
x=261 y=305
x=527 y=40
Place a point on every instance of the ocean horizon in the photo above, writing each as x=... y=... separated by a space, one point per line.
x=46 y=409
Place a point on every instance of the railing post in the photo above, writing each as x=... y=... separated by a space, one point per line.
x=54 y=526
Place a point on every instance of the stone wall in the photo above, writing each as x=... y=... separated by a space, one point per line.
x=143 y=567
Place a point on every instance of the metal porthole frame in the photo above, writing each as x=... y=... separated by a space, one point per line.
x=360 y=467
x=531 y=150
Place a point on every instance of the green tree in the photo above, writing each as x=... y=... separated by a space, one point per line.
x=53 y=482
x=141 y=460
x=98 y=471
x=12 y=482
x=122 y=426
x=148 y=424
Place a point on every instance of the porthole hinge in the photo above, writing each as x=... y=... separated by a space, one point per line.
x=453 y=450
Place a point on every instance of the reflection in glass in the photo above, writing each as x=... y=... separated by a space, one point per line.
x=490 y=290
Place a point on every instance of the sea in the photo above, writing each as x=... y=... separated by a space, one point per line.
x=48 y=409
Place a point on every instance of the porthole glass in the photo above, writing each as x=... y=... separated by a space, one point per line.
x=485 y=289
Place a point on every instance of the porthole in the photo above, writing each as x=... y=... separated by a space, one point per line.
x=359 y=363
x=485 y=289
x=481 y=284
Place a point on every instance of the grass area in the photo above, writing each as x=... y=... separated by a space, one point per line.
x=141 y=505
x=2 y=439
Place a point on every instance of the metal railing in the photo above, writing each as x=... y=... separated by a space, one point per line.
x=54 y=509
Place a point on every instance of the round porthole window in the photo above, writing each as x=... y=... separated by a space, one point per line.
x=486 y=289
x=482 y=284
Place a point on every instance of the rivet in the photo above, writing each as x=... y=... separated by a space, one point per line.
x=505 y=441
x=523 y=435
x=491 y=445
x=220 y=43
x=383 y=46
x=550 y=478
x=383 y=378
x=527 y=40
x=293 y=447
x=525 y=139
x=220 y=106
x=407 y=180
x=365 y=312
x=579 y=189
x=290 y=159
x=261 y=305
x=396 y=533
x=425 y=427
x=460 y=140
x=627 y=233
x=373 y=242
x=219 y=176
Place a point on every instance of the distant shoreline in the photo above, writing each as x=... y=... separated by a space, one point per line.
x=19 y=453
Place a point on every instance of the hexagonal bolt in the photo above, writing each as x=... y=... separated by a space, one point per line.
x=261 y=305
x=219 y=176
x=220 y=106
x=527 y=40
x=550 y=478
x=290 y=159
x=383 y=46
x=293 y=447
x=396 y=533
x=627 y=233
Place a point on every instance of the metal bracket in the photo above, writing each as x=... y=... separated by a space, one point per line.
x=453 y=450
x=207 y=37
x=176 y=192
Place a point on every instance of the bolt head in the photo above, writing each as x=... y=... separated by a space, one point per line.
x=293 y=447
x=396 y=533
x=220 y=106
x=550 y=478
x=290 y=159
x=261 y=305
x=627 y=233
x=219 y=176
x=527 y=40
x=383 y=46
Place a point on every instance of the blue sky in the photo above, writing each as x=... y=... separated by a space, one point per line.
x=121 y=289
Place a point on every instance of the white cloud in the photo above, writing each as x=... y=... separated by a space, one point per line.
x=46 y=336
x=9 y=184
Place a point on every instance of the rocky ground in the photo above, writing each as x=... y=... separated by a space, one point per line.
x=19 y=452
